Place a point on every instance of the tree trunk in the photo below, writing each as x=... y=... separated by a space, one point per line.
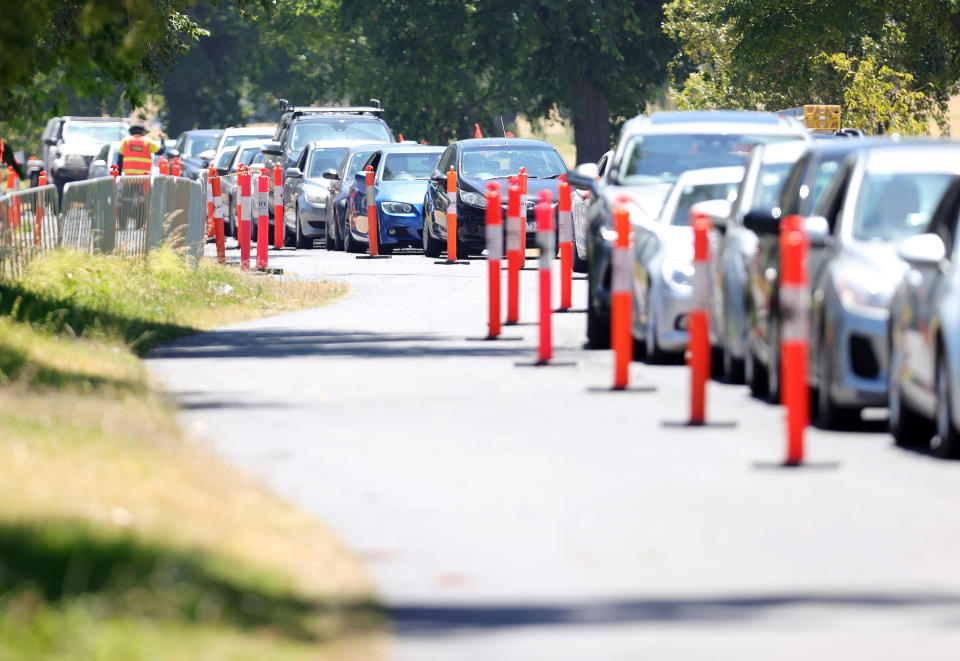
x=591 y=121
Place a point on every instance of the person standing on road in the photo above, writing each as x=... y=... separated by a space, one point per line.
x=135 y=155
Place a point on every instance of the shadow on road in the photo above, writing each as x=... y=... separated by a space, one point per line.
x=438 y=620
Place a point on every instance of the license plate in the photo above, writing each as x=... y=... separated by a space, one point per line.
x=531 y=226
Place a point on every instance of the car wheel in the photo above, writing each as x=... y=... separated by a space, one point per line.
x=328 y=241
x=463 y=252
x=732 y=368
x=773 y=369
x=908 y=427
x=754 y=374
x=650 y=346
x=431 y=246
x=598 y=329
x=947 y=442
x=302 y=242
x=338 y=231
x=349 y=243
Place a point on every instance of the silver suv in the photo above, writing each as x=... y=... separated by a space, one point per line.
x=70 y=143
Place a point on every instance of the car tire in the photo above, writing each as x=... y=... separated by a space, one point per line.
x=651 y=348
x=755 y=374
x=907 y=426
x=300 y=241
x=773 y=369
x=329 y=242
x=349 y=243
x=598 y=329
x=732 y=367
x=338 y=232
x=947 y=441
x=431 y=246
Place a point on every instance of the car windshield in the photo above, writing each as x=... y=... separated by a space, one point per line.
x=770 y=181
x=98 y=132
x=246 y=154
x=821 y=180
x=399 y=167
x=893 y=206
x=325 y=159
x=304 y=133
x=652 y=159
x=356 y=163
x=225 y=157
x=693 y=193
x=198 y=144
x=237 y=138
x=500 y=162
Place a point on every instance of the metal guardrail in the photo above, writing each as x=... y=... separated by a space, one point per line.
x=128 y=216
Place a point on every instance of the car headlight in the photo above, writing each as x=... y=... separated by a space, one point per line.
x=314 y=196
x=397 y=207
x=473 y=199
x=678 y=274
x=864 y=292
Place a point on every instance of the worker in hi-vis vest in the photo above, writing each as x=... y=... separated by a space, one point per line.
x=136 y=151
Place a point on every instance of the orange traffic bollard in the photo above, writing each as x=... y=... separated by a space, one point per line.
x=795 y=312
x=38 y=221
x=452 y=215
x=515 y=226
x=218 y=231
x=263 y=219
x=477 y=133
x=11 y=180
x=278 y=207
x=698 y=342
x=494 y=235
x=243 y=227
x=114 y=171
x=175 y=167
x=211 y=173
x=164 y=165
x=547 y=249
x=522 y=182
x=621 y=299
x=400 y=136
x=565 y=223
x=373 y=231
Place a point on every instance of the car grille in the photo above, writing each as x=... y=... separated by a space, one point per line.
x=863 y=359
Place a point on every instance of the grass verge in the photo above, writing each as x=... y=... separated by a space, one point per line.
x=120 y=539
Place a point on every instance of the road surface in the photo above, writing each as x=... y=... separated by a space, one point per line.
x=515 y=512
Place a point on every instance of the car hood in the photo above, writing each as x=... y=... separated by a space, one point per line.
x=534 y=186
x=875 y=262
x=82 y=148
x=646 y=199
x=676 y=242
x=317 y=181
x=411 y=191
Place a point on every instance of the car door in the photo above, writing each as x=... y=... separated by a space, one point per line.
x=437 y=191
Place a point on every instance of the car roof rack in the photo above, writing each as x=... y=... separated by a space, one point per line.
x=298 y=111
x=114 y=120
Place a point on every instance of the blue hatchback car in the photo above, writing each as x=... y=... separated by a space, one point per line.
x=401 y=174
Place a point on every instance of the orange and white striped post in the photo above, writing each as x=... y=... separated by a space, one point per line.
x=175 y=167
x=515 y=226
x=452 y=215
x=373 y=231
x=38 y=221
x=698 y=342
x=163 y=165
x=263 y=219
x=621 y=299
x=218 y=231
x=522 y=180
x=114 y=171
x=494 y=236
x=211 y=173
x=547 y=250
x=277 y=207
x=565 y=226
x=795 y=336
x=243 y=225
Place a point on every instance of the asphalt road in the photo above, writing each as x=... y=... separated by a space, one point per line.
x=514 y=512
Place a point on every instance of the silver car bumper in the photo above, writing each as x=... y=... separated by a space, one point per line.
x=860 y=359
x=672 y=307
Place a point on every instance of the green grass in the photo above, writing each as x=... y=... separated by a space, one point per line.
x=121 y=539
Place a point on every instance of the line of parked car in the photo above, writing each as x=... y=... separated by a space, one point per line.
x=881 y=216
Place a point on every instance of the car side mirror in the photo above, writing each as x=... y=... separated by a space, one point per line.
x=329 y=173
x=439 y=178
x=223 y=171
x=293 y=173
x=207 y=156
x=175 y=153
x=272 y=147
x=760 y=222
x=716 y=210
x=584 y=176
x=922 y=250
x=50 y=141
x=817 y=230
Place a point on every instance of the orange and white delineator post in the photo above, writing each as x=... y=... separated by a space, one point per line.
x=211 y=173
x=515 y=226
x=175 y=167
x=698 y=341
x=218 y=231
x=263 y=219
x=547 y=250
x=522 y=182
x=795 y=336
x=373 y=232
x=243 y=225
x=278 y=207
x=38 y=220
x=452 y=215
x=565 y=227
x=621 y=299
x=494 y=236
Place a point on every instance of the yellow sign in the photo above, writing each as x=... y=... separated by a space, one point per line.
x=821 y=117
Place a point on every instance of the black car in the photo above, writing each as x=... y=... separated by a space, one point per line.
x=477 y=163
x=339 y=192
x=190 y=145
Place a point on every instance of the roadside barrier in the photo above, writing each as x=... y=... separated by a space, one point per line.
x=27 y=227
x=522 y=181
x=451 y=220
x=38 y=212
x=243 y=226
x=175 y=167
x=278 y=207
x=263 y=219
x=547 y=250
x=698 y=342
x=218 y=229
x=795 y=312
x=211 y=173
x=621 y=299
x=565 y=224
x=494 y=236
x=373 y=230
x=515 y=225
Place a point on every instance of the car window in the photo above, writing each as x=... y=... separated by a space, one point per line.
x=400 y=167
x=356 y=164
x=826 y=171
x=237 y=138
x=893 y=206
x=770 y=181
x=499 y=162
x=198 y=144
x=226 y=157
x=693 y=193
x=325 y=159
x=303 y=133
x=663 y=157
x=447 y=159
x=93 y=132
